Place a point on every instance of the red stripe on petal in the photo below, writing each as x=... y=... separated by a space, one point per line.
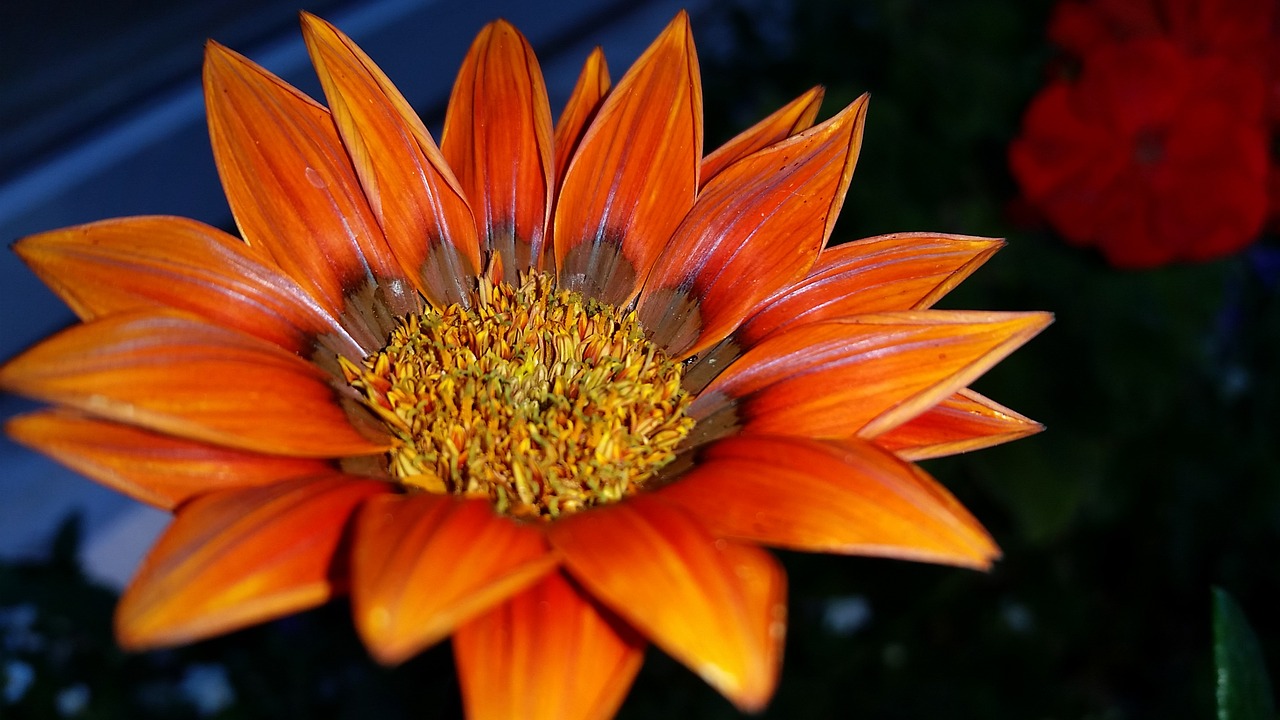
x=294 y=193
x=423 y=563
x=794 y=117
x=177 y=375
x=635 y=173
x=411 y=190
x=903 y=271
x=584 y=102
x=843 y=496
x=498 y=140
x=963 y=422
x=715 y=605
x=168 y=262
x=755 y=229
x=239 y=557
x=157 y=469
x=865 y=374
x=548 y=653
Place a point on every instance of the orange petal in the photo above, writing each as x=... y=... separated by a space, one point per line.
x=794 y=117
x=845 y=496
x=548 y=653
x=963 y=422
x=423 y=563
x=584 y=102
x=756 y=228
x=863 y=375
x=239 y=557
x=294 y=192
x=160 y=470
x=168 y=262
x=498 y=140
x=715 y=605
x=634 y=174
x=180 y=376
x=903 y=271
x=413 y=193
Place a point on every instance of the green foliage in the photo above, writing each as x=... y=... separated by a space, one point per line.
x=1244 y=693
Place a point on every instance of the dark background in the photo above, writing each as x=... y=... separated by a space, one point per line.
x=1158 y=476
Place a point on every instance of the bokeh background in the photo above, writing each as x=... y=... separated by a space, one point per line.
x=1158 y=476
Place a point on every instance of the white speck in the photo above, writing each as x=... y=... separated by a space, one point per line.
x=314 y=178
x=1018 y=617
x=207 y=688
x=847 y=615
x=72 y=701
x=18 y=677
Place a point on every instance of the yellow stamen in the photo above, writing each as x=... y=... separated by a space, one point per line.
x=540 y=400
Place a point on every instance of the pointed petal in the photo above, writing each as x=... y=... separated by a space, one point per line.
x=168 y=262
x=235 y=558
x=903 y=271
x=423 y=563
x=715 y=605
x=963 y=422
x=411 y=190
x=177 y=375
x=160 y=470
x=584 y=102
x=498 y=140
x=756 y=228
x=863 y=375
x=295 y=194
x=841 y=496
x=548 y=653
x=634 y=174
x=790 y=119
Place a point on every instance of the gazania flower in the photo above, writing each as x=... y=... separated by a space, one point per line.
x=543 y=389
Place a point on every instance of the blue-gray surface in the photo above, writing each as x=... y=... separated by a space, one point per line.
x=153 y=157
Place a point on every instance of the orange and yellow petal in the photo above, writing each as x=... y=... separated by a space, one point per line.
x=498 y=140
x=422 y=563
x=295 y=194
x=235 y=558
x=135 y=263
x=177 y=375
x=155 y=468
x=550 y=652
x=888 y=273
x=963 y=422
x=411 y=190
x=634 y=174
x=840 y=496
x=790 y=119
x=755 y=229
x=715 y=605
x=584 y=102
x=863 y=375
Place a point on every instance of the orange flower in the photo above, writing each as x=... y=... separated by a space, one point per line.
x=543 y=389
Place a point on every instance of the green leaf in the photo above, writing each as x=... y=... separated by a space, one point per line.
x=1244 y=692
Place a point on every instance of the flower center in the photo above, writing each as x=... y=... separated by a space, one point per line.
x=1148 y=147
x=542 y=401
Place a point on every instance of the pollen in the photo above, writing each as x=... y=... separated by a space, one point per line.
x=539 y=399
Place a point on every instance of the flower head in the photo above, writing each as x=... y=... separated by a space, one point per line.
x=1157 y=150
x=544 y=388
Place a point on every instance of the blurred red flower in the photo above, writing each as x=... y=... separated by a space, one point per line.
x=1155 y=148
x=1236 y=29
x=1151 y=154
